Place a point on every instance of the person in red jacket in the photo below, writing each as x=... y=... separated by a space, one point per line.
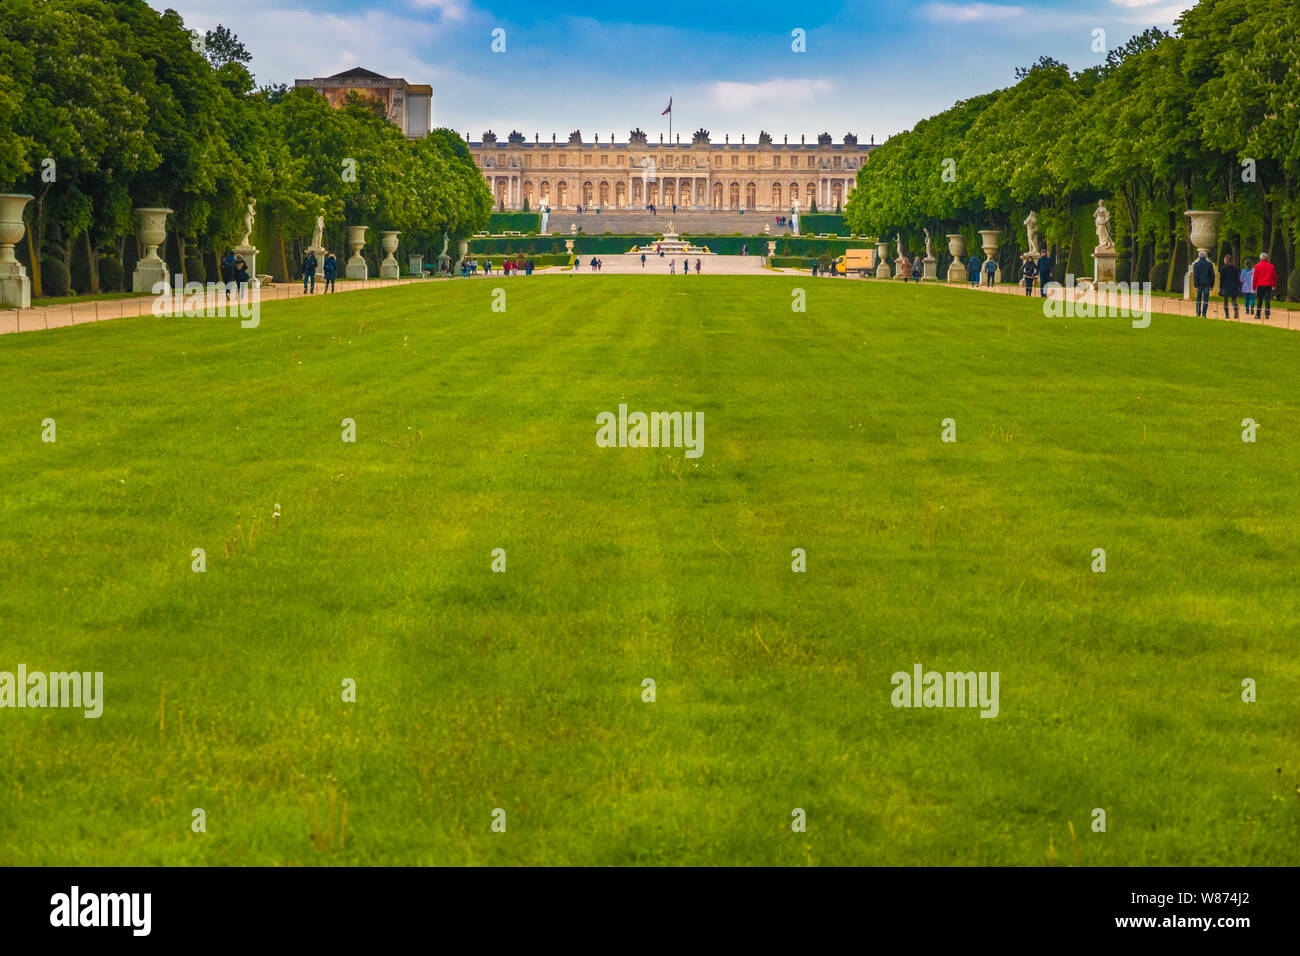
x=1265 y=280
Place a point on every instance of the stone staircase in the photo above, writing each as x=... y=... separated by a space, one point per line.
x=685 y=222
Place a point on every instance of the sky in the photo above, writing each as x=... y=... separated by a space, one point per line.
x=869 y=68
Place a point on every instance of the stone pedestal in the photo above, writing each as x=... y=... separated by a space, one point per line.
x=415 y=264
x=250 y=260
x=929 y=269
x=388 y=267
x=1103 y=260
x=462 y=253
x=356 y=267
x=15 y=287
x=882 y=270
x=989 y=242
x=151 y=227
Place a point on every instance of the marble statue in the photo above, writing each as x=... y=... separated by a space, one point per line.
x=898 y=242
x=1031 y=231
x=1102 y=218
x=319 y=234
x=671 y=231
x=929 y=244
x=248 y=223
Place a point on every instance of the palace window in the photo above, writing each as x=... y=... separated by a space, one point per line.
x=501 y=159
x=735 y=162
x=752 y=160
x=604 y=160
x=812 y=162
x=546 y=160
x=586 y=159
x=776 y=162
x=837 y=162
x=564 y=161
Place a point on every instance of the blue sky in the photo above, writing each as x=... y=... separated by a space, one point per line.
x=870 y=68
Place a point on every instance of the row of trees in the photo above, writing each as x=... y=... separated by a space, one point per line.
x=1206 y=118
x=107 y=105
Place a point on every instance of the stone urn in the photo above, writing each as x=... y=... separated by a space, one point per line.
x=15 y=287
x=882 y=267
x=356 y=267
x=989 y=240
x=956 y=249
x=1204 y=229
x=388 y=267
x=151 y=227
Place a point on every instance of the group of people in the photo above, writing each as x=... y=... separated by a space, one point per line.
x=782 y=220
x=329 y=270
x=510 y=267
x=1253 y=282
x=596 y=264
x=686 y=266
x=234 y=271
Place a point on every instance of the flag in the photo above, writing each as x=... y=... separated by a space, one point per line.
x=670 y=107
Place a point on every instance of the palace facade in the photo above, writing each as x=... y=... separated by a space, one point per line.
x=409 y=106
x=700 y=175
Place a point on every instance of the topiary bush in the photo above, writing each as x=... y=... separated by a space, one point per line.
x=55 y=280
x=1158 y=275
x=1293 y=286
x=110 y=274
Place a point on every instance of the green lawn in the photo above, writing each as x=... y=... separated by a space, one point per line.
x=478 y=690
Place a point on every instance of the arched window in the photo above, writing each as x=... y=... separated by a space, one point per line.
x=620 y=195
x=751 y=195
x=717 y=195
x=776 y=195
x=604 y=194
x=734 y=200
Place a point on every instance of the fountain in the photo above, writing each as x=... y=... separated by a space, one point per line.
x=671 y=244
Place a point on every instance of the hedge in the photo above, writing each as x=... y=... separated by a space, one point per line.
x=813 y=223
x=110 y=275
x=55 y=280
x=515 y=222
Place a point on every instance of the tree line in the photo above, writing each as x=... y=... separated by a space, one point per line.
x=109 y=105
x=1205 y=118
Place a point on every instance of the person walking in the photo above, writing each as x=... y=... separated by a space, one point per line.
x=1027 y=276
x=686 y=267
x=672 y=267
x=973 y=270
x=1265 y=282
x=487 y=267
x=1044 y=273
x=309 y=272
x=697 y=266
x=917 y=270
x=329 y=269
x=1229 y=286
x=643 y=260
x=1203 y=279
x=990 y=270
x=241 y=276
x=228 y=269
x=814 y=269
x=1248 y=287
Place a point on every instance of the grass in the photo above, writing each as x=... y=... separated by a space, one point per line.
x=523 y=691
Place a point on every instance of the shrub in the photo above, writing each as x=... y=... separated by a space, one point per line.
x=1158 y=275
x=1293 y=286
x=55 y=280
x=79 y=273
x=194 y=271
x=110 y=274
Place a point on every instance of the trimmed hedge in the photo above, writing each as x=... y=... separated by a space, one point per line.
x=515 y=222
x=55 y=280
x=813 y=223
x=110 y=274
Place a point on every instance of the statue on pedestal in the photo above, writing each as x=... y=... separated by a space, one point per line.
x=248 y=223
x=1102 y=218
x=929 y=244
x=319 y=234
x=898 y=243
x=1031 y=232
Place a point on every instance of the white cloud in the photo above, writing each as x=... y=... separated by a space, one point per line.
x=970 y=12
x=451 y=10
x=776 y=92
x=1134 y=3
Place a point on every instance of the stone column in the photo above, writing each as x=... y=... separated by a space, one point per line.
x=152 y=229
x=15 y=287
